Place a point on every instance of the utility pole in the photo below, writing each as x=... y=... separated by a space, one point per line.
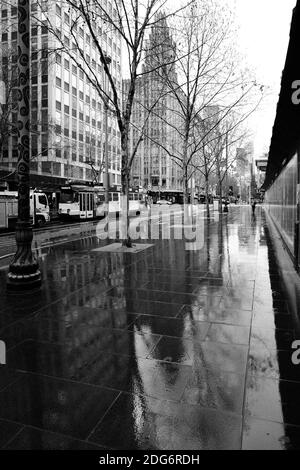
x=107 y=61
x=24 y=273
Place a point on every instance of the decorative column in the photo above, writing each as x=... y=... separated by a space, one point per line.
x=24 y=273
x=106 y=61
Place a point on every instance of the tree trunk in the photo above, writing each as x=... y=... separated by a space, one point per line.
x=206 y=189
x=185 y=187
x=220 y=187
x=207 y=197
x=220 y=197
x=185 y=176
x=125 y=179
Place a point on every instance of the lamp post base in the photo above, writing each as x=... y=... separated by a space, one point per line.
x=24 y=273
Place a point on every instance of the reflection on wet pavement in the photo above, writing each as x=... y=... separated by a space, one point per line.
x=163 y=349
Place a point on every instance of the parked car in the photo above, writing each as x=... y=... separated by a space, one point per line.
x=163 y=202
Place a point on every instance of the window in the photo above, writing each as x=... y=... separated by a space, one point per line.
x=44 y=91
x=43 y=200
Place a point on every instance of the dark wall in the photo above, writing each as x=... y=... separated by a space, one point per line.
x=286 y=131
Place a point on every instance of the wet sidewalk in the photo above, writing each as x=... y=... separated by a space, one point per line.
x=161 y=349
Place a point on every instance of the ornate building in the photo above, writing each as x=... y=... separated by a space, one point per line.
x=156 y=115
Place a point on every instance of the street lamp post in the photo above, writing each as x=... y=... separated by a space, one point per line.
x=107 y=60
x=24 y=273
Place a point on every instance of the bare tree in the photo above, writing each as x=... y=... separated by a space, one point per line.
x=129 y=20
x=228 y=136
x=208 y=84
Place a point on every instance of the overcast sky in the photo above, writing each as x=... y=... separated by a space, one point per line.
x=264 y=36
x=264 y=27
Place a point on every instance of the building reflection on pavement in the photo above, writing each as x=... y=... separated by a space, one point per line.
x=166 y=349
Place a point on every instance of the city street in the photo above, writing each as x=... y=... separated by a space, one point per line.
x=56 y=234
x=149 y=229
x=164 y=348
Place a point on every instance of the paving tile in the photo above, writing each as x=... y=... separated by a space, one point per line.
x=272 y=338
x=271 y=363
x=136 y=422
x=215 y=389
x=273 y=400
x=153 y=308
x=8 y=376
x=267 y=435
x=170 y=287
x=158 y=296
x=280 y=321
x=36 y=439
x=213 y=314
x=175 y=327
x=55 y=405
x=35 y=355
x=231 y=334
x=206 y=355
x=178 y=350
x=8 y=430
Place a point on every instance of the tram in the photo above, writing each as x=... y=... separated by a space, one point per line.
x=84 y=202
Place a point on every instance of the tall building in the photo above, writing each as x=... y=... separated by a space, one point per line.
x=67 y=114
x=156 y=113
x=261 y=166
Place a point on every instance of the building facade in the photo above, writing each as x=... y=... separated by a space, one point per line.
x=67 y=113
x=156 y=116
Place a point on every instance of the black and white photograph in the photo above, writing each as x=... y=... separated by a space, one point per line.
x=149 y=228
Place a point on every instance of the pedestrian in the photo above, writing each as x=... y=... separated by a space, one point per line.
x=253 y=205
x=226 y=204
